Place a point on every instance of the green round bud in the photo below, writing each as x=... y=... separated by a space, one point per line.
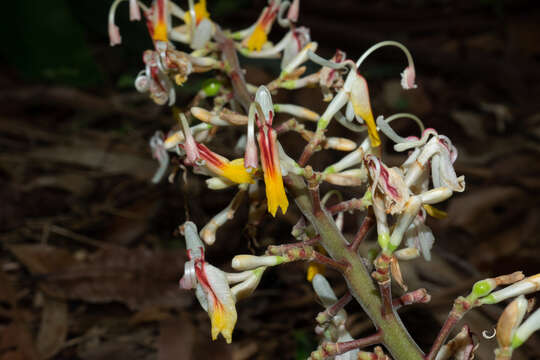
x=482 y=288
x=211 y=87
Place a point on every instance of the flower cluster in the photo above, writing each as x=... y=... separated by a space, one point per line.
x=395 y=200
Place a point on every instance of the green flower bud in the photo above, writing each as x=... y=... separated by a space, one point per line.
x=211 y=87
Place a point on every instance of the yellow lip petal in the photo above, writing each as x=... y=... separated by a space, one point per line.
x=275 y=193
x=236 y=172
x=222 y=322
x=257 y=39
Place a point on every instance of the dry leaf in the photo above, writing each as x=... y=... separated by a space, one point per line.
x=176 y=339
x=54 y=327
x=137 y=277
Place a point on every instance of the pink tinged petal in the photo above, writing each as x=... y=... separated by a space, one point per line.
x=362 y=105
x=294 y=9
x=408 y=78
x=114 y=34
x=134 y=11
x=203 y=32
x=190 y=146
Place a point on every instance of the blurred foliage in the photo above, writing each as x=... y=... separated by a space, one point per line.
x=47 y=43
x=66 y=42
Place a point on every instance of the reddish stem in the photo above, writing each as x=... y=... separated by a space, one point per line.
x=368 y=222
x=332 y=311
x=347 y=205
x=346 y=346
x=449 y=324
x=414 y=297
x=385 y=288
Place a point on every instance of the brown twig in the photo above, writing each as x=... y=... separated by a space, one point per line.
x=368 y=222
x=332 y=310
x=332 y=349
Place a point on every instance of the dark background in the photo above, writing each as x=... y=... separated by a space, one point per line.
x=90 y=252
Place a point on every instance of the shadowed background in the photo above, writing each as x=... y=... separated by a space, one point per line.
x=91 y=254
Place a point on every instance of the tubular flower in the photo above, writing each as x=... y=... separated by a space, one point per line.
x=212 y=286
x=232 y=170
x=267 y=137
x=259 y=35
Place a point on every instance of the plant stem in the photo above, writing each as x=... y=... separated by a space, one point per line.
x=394 y=335
x=368 y=222
x=332 y=311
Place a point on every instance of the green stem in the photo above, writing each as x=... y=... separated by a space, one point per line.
x=394 y=335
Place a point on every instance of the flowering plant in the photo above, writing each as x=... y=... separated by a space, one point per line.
x=395 y=200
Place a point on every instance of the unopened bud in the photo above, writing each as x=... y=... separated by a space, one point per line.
x=407 y=254
x=247 y=262
x=340 y=144
x=217 y=183
x=353 y=177
x=510 y=320
x=523 y=287
x=530 y=325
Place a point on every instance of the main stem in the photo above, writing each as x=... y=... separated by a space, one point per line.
x=395 y=337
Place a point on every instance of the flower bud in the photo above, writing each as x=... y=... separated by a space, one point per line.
x=523 y=287
x=407 y=253
x=217 y=183
x=247 y=262
x=530 y=325
x=510 y=320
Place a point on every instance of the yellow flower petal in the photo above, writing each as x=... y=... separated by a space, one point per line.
x=275 y=192
x=236 y=172
x=201 y=12
x=160 y=31
x=222 y=322
x=257 y=39
x=434 y=212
